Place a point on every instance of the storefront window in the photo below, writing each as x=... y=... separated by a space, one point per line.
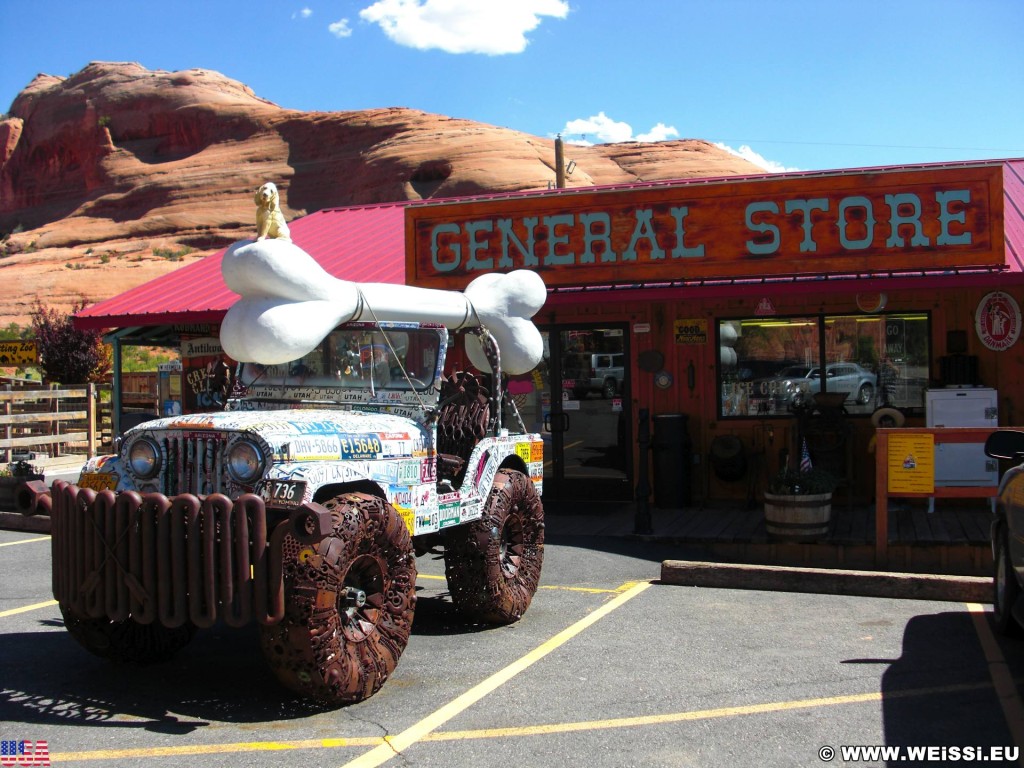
x=769 y=365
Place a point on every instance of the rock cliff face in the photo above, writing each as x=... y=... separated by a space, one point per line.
x=110 y=176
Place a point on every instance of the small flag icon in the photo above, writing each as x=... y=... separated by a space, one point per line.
x=805 y=458
x=24 y=753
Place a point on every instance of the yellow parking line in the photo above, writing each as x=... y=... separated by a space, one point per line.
x=1006 y=687
x=396 y=744
x=215 y=749
x=699 y=714
x=26 y=608
x=24 y=541
x=543 y=729
x=588 y=590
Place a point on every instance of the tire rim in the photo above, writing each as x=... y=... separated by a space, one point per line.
x=511 y=553
x=362 y=599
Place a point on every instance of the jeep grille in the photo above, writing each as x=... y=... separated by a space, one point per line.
x=192 y=465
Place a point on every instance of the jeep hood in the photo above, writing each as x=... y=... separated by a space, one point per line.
x=278 y=427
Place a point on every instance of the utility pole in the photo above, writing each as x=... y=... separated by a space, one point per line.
x=559 y=163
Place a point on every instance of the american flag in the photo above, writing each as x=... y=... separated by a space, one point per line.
x=805 y=458
x=24 y=753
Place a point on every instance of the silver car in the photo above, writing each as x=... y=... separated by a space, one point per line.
x=795 y=384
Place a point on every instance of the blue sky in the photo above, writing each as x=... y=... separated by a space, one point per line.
x=795 y=84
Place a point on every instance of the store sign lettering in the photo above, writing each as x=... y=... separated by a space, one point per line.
x=545 y=241
x=794 y=225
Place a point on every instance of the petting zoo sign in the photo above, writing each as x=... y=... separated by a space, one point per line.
x=19 y=352
x=828 y=223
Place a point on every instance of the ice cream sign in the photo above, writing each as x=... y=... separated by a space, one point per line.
x=883 y=221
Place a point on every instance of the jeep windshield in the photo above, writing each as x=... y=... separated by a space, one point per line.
x=353 y=357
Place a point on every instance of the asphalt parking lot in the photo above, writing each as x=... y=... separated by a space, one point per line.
x=608 y=668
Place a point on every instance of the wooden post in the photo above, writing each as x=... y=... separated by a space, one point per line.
x=7 y=412
x=91 y=403
x=882 y=499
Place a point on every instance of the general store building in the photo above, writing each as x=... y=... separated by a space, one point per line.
x=685 y=320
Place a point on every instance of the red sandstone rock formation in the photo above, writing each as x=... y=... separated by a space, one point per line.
x=100 y=168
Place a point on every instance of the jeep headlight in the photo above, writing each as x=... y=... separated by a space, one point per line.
x=245 y=462
x=144 y=458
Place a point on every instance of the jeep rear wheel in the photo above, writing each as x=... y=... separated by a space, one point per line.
x=349 y=604
x=493 y=565
x=127 y=640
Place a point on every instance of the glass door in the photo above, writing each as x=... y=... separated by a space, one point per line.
x=586 y=414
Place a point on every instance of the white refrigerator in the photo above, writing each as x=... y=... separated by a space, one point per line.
x=963 y=464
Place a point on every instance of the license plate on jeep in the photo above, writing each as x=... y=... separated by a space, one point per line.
x=98 y=481
x=283 y=493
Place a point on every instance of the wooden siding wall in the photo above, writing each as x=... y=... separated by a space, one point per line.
x=950 y=309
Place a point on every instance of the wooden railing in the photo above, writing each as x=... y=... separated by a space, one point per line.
x=883 y=493
x=48 y=424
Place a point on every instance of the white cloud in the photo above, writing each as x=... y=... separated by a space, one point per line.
x=491 y=27
x=660 y=132
x=305 y=13
x=759 y=160
x=340 y=28
x=601 y=129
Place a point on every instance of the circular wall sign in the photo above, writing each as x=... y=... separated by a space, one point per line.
x=663 y=379
x=871 y=302
x=997 y=321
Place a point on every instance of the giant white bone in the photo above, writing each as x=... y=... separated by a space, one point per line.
x=289 y=304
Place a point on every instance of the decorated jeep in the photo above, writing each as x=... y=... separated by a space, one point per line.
x=343 y=452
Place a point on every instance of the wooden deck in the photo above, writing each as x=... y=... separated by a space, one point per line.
x=954 y=539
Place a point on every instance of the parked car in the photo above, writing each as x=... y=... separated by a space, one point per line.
x=1008 y=533
x=793 y=385
x=595 y=372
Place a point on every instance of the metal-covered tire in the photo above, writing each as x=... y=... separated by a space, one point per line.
x=128 y=640
x=1006 y=590
x=349 y=604
x=865 y=393
x=493 y=564
x=609 y=389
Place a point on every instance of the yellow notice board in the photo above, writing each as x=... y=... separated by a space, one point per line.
x=911 y=461
x=691 y=331
x=19 y=352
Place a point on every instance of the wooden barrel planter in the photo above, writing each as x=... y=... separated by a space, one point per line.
x=798 y=518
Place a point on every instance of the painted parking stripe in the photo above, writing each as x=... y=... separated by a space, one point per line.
x=396 y=744
x=542 y=729
x=27 y=608
x=556 y=587
x=24 y=541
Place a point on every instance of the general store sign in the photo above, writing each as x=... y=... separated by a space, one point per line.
x=883 y=221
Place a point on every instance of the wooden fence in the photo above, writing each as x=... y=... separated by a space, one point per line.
x=50 y=427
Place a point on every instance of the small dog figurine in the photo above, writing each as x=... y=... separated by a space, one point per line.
x=269 y=219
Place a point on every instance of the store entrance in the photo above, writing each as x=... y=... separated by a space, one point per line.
x=586 y=419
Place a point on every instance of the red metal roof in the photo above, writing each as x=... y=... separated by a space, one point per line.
x=363 y=244
x=367 y=244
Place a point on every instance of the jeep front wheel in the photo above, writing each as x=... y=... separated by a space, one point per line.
x=349 y=604
x=493 y=564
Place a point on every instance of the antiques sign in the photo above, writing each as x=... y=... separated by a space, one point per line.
x=889 y=221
